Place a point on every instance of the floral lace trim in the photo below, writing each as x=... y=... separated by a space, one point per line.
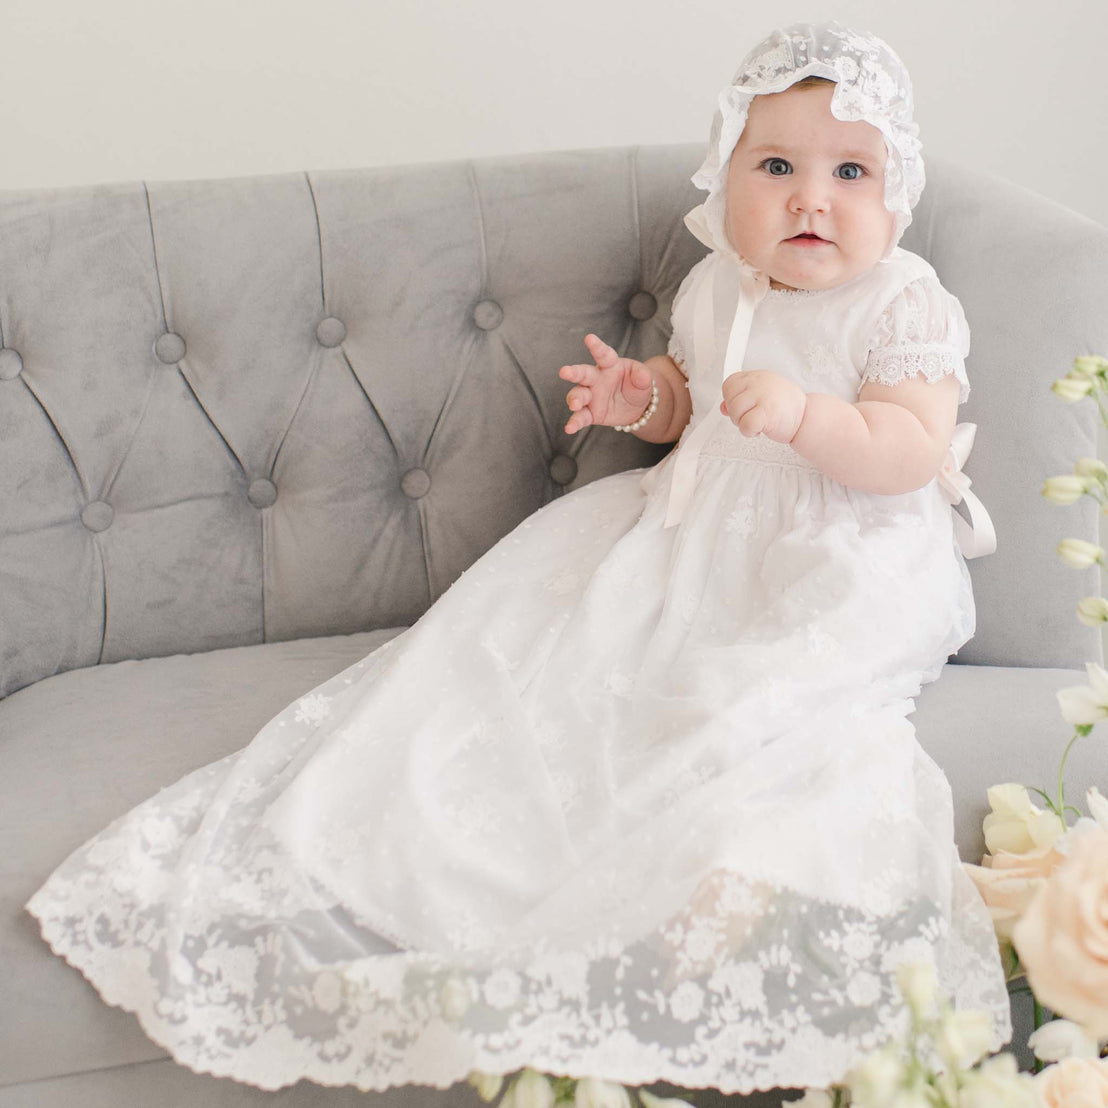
x=676 y=350
x=753 y=986
x=793 y=294
x=892 y=364
x=729 y=442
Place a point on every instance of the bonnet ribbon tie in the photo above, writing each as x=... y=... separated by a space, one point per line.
x=977 y=537
x=752 y=288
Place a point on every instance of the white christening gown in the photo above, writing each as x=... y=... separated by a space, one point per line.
x=629 y=801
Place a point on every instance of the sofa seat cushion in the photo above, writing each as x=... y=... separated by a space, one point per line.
x=79 y=749
x=986 y=725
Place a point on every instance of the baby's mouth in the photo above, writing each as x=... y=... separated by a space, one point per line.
x=807 y=236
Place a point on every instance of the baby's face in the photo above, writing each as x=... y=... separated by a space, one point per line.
x=796 y=171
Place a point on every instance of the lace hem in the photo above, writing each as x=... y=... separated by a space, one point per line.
x=752 y=987
x=892 y=364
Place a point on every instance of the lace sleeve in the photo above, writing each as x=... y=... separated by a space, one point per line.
x=681 y=320
x=923 y=331
x=676 y=350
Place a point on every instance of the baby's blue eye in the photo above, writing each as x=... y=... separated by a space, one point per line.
x=776 y=167
x=850 y=171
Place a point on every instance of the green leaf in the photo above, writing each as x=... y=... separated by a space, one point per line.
x=1049 y=801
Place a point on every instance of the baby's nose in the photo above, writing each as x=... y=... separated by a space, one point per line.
x=808 y=195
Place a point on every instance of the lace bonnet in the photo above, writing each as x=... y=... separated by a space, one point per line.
x=871 y=84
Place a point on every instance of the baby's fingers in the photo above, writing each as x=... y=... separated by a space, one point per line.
x=581 y=374
x=578 y=398
x=578 y=420
x=603 y=354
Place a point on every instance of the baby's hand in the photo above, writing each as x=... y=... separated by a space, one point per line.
x=761 y=402
x=614 y=391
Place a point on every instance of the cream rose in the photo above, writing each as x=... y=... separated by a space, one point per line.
x=1074 y=1083
x=1009 y=882
x=1062 y=938
x=1015 y=824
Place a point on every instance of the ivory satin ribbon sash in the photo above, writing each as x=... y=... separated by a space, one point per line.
x=753 y=286
x=976 y=537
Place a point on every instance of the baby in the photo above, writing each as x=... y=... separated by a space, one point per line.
x=805 y=205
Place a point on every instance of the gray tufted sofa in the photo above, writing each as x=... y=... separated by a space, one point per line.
x=249 y=428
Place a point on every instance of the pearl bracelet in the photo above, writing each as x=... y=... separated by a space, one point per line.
x=651 y=408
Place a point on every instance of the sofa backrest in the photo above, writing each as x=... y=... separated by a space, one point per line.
x=247 y=410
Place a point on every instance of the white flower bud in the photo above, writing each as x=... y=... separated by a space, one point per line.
x=1015 y=824
x=1090 y=365
x=1083 y=705
x=649 y=1100
x=1058 y=1039
x=915 y=1097
x=531 y=1090
x=486 y=1084
x=1070 y=389
x=591 y=1092
x=1067 y=489
x=997 y=1083
x=1098 y=806
x=1091 y=467
x=964 y=1036
x=1080 y=554
x=1093 y=611
x=877 y=1078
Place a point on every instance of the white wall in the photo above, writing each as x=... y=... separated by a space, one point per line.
x=114 y=90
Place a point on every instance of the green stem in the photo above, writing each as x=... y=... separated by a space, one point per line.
x=1039 y=1021
x=1061 y=770
x=1100 y=407
x=1047 y=799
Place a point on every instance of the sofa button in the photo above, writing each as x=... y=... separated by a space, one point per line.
x=563 y=469
x=330 y=331
x=170 y=348
x=262 y=492
x=642 y=306
x=11 y=364
x=415 y=483
x=97 y=515
x=488 y=315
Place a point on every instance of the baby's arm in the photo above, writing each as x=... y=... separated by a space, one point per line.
x=674 y=402
x=893 y=440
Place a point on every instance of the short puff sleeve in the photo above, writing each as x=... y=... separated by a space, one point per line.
x=680 y=341
x=922 y=331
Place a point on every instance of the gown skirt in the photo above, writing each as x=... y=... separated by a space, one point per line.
x=628 y=801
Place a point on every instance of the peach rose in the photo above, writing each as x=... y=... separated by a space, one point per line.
x=1062 y=938
x=1074 y=1083
x=1008 y=883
